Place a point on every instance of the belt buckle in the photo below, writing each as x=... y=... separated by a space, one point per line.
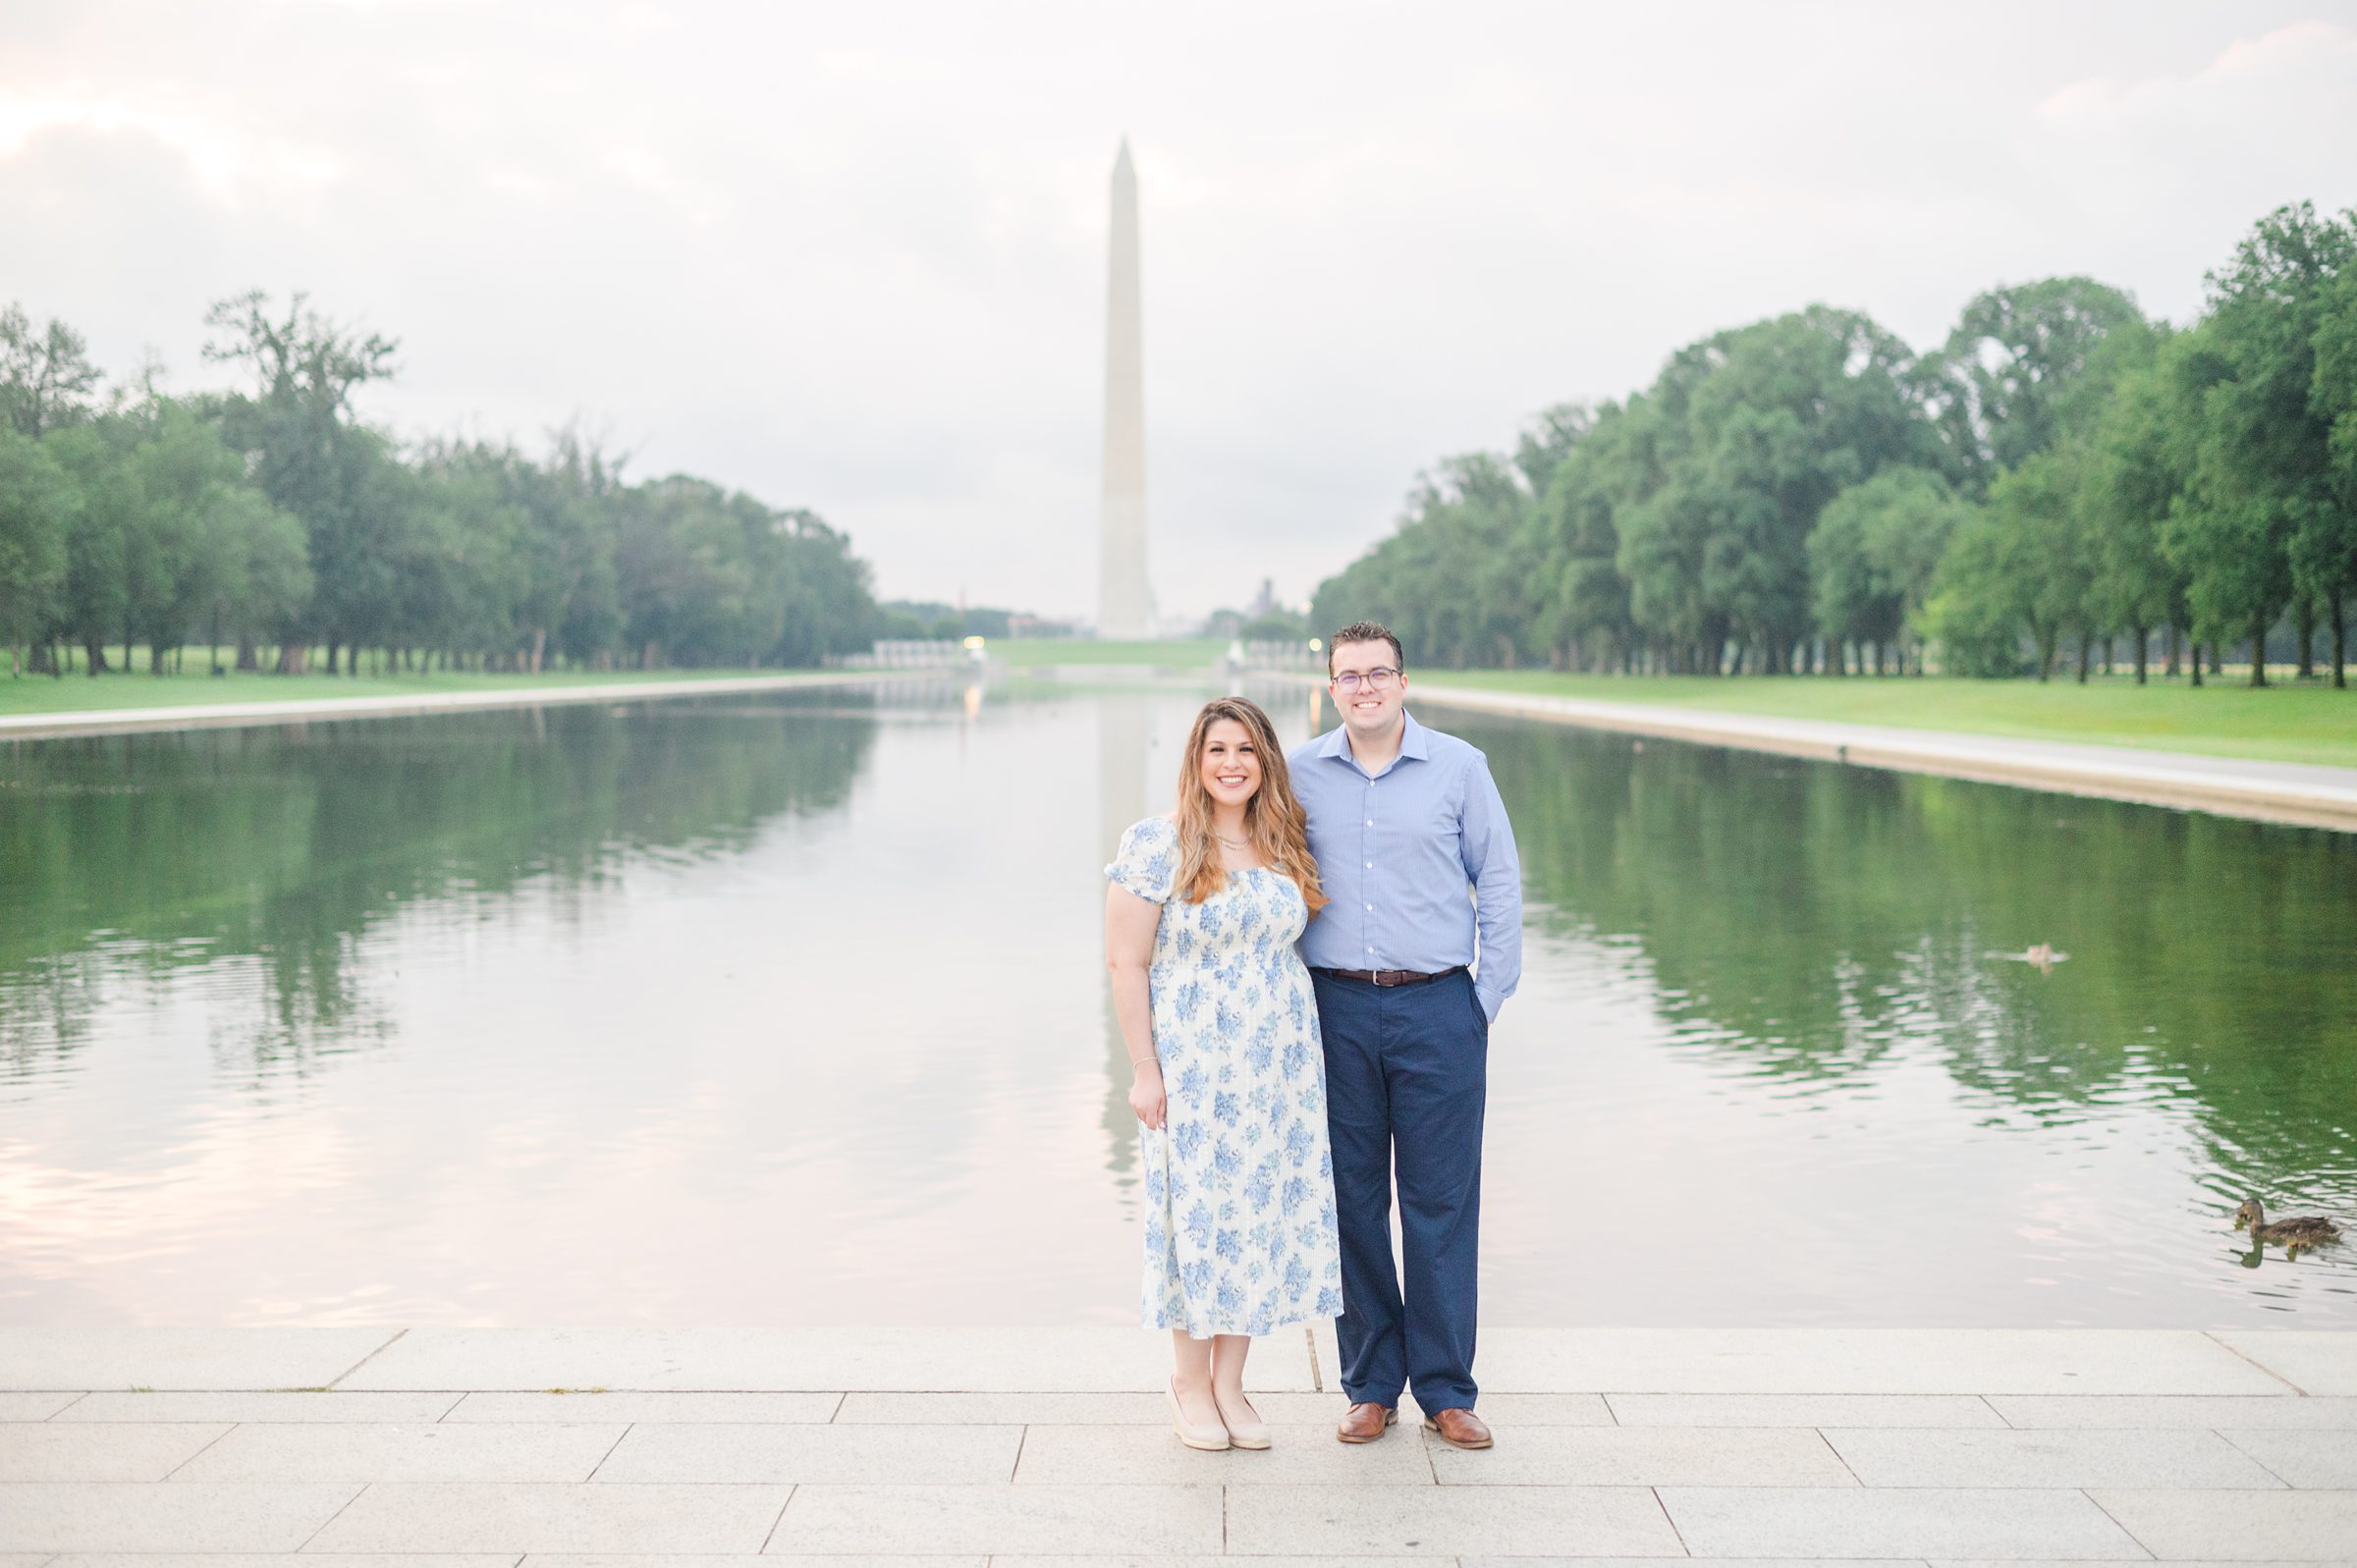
x=1375 y=977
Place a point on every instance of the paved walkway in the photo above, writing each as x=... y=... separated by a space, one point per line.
x=222 y=714
x=1049 y=1449
x=2271 y=792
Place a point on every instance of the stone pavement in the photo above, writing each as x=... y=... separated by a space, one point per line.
x=2270 y=792
x=1012 y=1448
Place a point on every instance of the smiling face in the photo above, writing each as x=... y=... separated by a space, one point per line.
x=1371 y=701
x=1230 y=763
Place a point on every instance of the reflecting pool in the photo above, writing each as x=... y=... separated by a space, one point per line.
x=791 y=1009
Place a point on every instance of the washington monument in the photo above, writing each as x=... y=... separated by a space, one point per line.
x=1125 y=602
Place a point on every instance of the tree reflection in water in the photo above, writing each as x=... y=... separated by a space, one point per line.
x=1804 y=921
x=125 y=860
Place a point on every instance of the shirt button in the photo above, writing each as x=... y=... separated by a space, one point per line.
x=1370 y=865
x=1370 y=822
x=1370 y=908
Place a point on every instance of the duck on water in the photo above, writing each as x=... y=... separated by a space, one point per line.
x=2297 y=1234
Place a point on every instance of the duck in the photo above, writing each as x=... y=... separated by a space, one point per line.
x=2300 y=1232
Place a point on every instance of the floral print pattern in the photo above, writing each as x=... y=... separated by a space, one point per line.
x=1240 y=1234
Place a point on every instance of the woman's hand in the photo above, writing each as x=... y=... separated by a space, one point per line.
x=1131 y=925
x=1146 y=1097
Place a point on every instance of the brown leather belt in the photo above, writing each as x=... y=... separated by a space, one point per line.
x=1389 y=977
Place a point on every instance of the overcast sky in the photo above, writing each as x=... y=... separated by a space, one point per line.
x=851 y=258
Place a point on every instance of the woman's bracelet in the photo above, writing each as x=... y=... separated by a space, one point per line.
x=1139 y=1061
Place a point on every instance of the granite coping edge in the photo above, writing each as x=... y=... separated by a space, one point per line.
x=403 y=705
x=2288 y=1363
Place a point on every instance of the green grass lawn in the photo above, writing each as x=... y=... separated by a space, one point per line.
x=2278 y=723
x=79 y=693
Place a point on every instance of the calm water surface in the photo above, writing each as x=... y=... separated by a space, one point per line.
x=791 y=1011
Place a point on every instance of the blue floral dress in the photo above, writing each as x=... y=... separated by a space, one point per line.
x=1240 y=1234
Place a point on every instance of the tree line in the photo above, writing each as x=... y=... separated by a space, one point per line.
x=272 y=523
x=2062 y=483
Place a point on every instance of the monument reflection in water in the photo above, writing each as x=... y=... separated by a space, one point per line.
x=793 y=1010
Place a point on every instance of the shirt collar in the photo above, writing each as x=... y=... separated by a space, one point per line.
x=1412 y=741
x=1411 y=738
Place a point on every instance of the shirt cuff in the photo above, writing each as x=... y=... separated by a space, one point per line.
x=1490 y=1001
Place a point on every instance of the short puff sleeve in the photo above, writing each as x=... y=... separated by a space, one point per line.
x=1147 y=860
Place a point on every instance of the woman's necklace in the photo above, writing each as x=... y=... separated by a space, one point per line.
x=1233 y=843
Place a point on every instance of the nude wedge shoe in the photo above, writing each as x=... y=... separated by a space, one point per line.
x=1211 y=1439
x=1251 y=1431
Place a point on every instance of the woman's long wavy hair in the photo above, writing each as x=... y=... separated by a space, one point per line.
x=1272 y=817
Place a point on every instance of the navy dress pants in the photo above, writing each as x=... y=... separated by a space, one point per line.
x=1406 y=1081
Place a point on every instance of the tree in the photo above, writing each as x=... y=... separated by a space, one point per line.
x=2019 y=567
x=462 y=577
x=1551 y=437
x=95 y=456
x=1662 y=526
x=1769 y=423
x=1583 y=619
x=572 y=597
x=1454 y=582
x=1276 y=625
x=311 y=455
x=2326 y=549
x=180 y=471
x=2263 y=472
x=1873 y=557
x=826 y=591
x=251 y=571
x=2132 y=478
x=47 y=377
x=37 y=507
x=2022 y=357
x=1980 y=599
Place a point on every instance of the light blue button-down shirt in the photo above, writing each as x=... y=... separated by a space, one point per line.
x=1396 y=851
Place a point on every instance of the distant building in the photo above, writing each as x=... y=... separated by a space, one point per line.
x=1020 y=624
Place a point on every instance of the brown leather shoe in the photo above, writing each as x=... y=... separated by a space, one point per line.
x=1458 y=1428
x=1365 y=1421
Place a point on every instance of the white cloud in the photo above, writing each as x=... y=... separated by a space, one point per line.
x=232 y=165
x=851 y=259
x=2248 y=74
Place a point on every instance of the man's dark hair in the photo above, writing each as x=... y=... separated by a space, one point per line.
x=1364 y=631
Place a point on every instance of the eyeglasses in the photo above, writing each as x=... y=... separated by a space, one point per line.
x=1375 y=679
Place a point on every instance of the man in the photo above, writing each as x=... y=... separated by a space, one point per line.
x=1403 y=821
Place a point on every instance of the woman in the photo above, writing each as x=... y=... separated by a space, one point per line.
x=1222 y=1028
